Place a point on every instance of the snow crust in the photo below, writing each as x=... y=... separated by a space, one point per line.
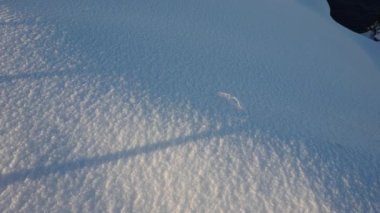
x=177 y=106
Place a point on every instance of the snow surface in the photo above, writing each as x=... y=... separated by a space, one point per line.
x=177 y=106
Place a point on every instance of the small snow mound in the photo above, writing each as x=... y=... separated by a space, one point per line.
x=231 y=99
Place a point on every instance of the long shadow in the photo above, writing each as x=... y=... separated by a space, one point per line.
x=81 y=163
x=37 y=75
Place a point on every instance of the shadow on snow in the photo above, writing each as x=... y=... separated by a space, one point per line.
x=81 y=163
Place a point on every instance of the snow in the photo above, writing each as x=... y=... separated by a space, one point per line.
x=177 y=106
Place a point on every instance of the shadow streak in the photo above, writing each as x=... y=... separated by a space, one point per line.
x=37 y=75
x=66 y=167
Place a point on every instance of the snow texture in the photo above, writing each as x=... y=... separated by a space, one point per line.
x=180 y=106
x=231 y=99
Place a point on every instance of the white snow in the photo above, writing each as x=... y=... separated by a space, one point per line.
x=178 y=106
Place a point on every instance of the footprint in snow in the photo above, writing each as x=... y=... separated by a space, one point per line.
x=231 y=99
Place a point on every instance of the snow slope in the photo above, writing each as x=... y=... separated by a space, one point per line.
x=173 y=106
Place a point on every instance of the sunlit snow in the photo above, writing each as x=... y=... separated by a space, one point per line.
x=179 y=106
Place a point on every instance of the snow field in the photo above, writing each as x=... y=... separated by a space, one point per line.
x=138 y=106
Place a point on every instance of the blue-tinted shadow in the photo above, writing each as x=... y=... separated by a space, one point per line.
x=9 y=78
x=82 y=163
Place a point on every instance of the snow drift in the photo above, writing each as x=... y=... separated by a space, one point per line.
x=172 y=106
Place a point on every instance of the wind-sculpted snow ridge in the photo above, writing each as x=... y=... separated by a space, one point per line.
x=140 y=106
